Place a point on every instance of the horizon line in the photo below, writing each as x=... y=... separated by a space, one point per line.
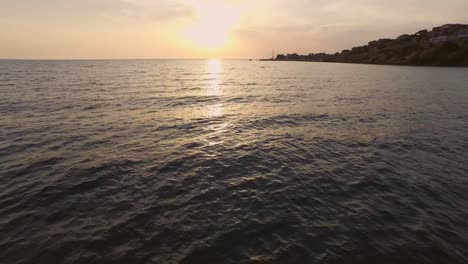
x=106 y=59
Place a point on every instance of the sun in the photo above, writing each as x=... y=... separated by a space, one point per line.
x=213 y=27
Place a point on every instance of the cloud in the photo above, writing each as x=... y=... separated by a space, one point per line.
x=65 y=10
x=159 y=10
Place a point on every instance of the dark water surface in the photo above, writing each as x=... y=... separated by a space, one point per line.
x=232 y=162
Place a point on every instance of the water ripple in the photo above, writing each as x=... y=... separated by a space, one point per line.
x=232 y=162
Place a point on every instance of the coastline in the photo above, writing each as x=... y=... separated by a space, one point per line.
x=363 y=63
x=443 y=46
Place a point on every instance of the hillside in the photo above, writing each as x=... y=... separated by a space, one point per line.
x=446 y=45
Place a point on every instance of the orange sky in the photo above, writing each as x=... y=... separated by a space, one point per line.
x=88 y=29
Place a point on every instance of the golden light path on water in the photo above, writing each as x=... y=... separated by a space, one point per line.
x=215 y=72
x=214 y=89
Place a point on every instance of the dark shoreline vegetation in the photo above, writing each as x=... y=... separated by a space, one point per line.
x=446 y=45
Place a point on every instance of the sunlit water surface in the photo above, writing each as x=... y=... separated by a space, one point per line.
x=171 y=161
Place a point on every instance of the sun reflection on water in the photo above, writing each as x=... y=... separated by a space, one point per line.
x=215 y=70
x=214 y=77
x=215 y=111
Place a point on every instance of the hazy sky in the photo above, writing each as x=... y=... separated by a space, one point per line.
x=59 y=29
